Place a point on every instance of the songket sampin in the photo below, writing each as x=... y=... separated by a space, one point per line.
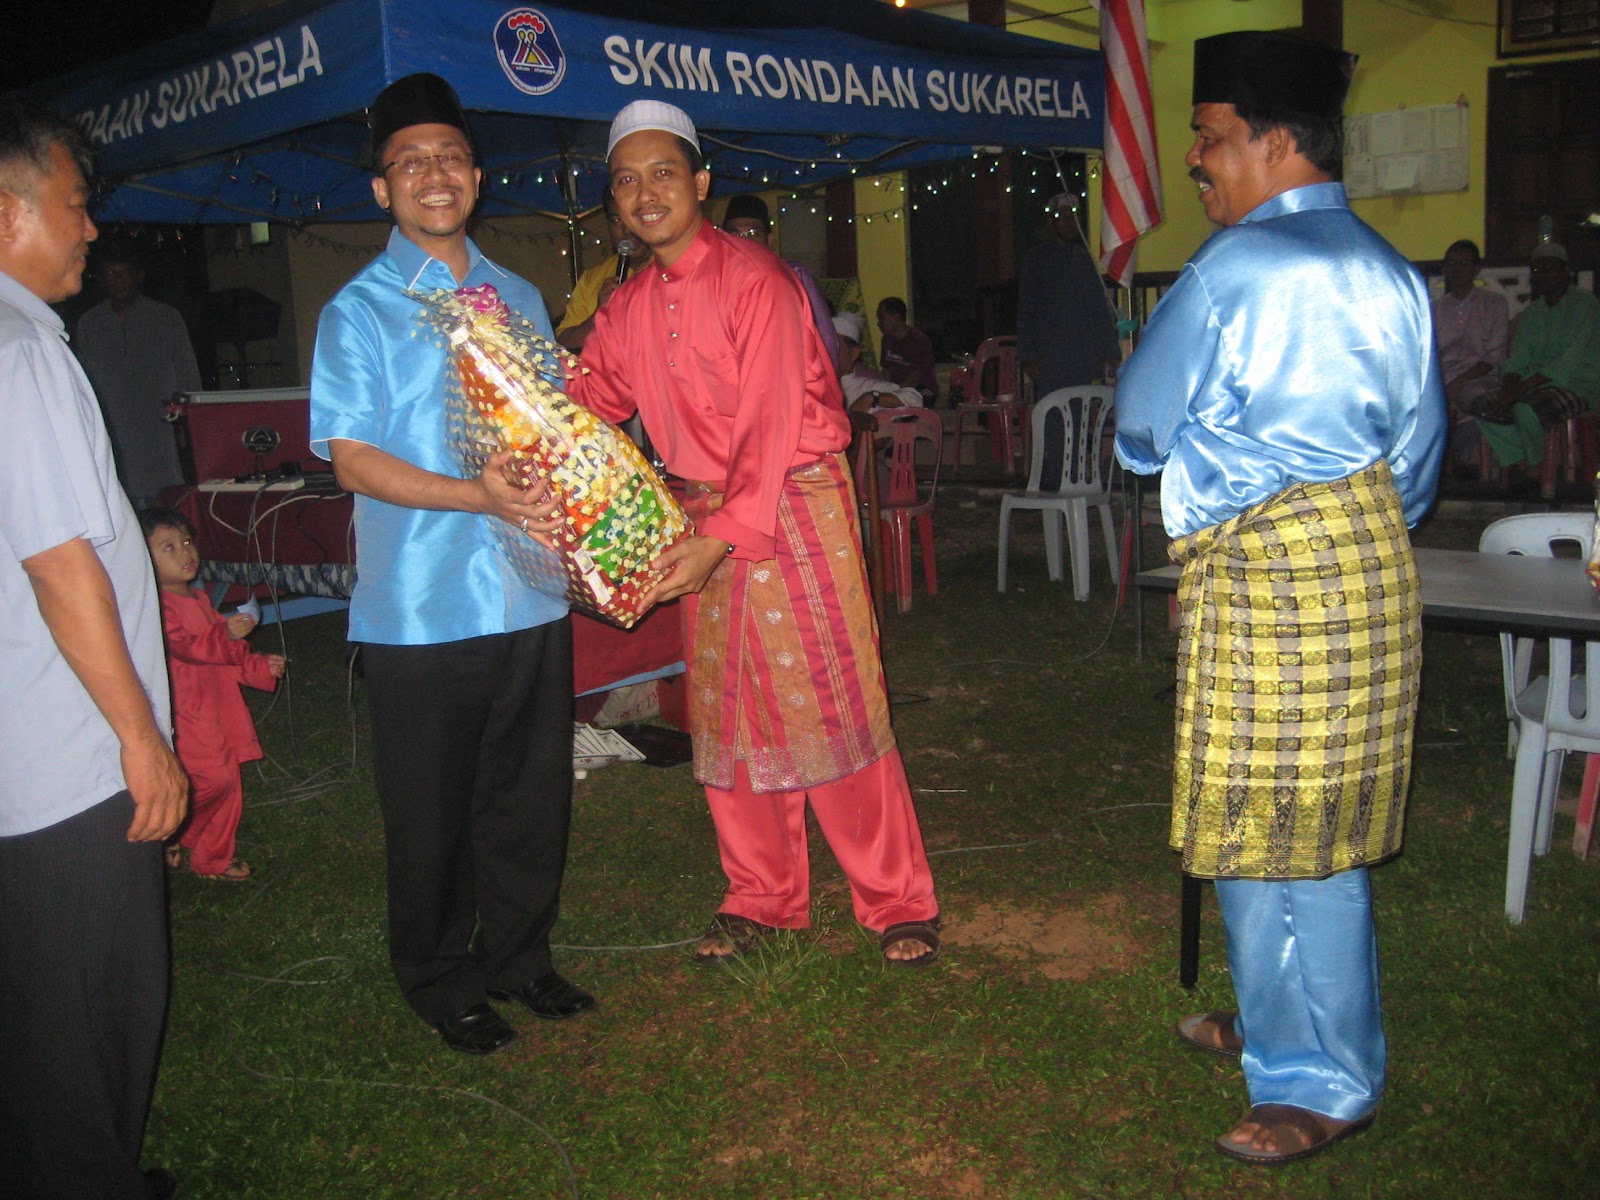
x=618 y=514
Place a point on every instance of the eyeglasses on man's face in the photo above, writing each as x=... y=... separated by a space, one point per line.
x=416 y=164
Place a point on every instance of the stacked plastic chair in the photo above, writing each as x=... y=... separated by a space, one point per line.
x=1066 y=480
x=1550 y=714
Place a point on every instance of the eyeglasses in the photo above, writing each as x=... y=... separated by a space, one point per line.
x=1547 y=264
x=416 y=164
x=751 y=233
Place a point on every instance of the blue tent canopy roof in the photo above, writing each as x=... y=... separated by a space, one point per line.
x=264 y=118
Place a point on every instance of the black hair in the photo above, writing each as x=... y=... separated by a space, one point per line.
x=747 y=207
x=895 y=305
x=115 y=250
x=152 y=519
x=1467 y=244
x=1320 y=140
x=697 y=160
x=28 y=133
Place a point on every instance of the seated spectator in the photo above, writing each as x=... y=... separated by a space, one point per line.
x=865 y=390
x=747 y=217
x=907 y=351
x=1553 y=372
x=1471 y=330
x=596 y=284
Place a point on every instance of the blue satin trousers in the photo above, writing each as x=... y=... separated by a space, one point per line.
x=1304 y=957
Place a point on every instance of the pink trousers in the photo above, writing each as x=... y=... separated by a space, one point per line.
x=869 y=822
x=213 y=815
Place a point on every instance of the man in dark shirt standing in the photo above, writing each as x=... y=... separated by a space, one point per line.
x=1065 y=334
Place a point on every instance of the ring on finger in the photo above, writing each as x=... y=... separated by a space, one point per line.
x=524 y=525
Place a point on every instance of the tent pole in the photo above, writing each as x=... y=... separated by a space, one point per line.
x=569 y=187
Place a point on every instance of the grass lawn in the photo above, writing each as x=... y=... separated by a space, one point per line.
x=1035 y=1059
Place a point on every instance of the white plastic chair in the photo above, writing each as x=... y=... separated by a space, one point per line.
x=1065 y=481
x=1537 y=535
x=1550 y=714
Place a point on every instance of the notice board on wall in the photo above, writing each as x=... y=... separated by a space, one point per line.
x=1406 y=151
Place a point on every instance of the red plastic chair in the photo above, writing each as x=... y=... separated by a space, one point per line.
x=994 y=393
x=905 y=501
x=1567 y=446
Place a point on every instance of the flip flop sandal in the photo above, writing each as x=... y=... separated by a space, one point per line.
x=1228 y=1043
x=1315 y=1131
x=739 y=934
x=925 y=933
x=234 y=872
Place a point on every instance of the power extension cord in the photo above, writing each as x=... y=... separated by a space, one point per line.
x=258 y=485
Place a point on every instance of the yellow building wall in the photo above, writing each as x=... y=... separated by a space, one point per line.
x=883 y=244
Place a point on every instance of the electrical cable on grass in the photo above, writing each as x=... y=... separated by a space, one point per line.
x=343 y=972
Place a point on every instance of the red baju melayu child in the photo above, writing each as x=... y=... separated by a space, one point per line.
x=212 y=728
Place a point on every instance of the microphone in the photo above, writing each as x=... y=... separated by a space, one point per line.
x=626 y=249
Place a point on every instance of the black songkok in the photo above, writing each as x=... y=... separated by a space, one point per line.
x=747 y=206
x=1272 y=73
x=420 y=99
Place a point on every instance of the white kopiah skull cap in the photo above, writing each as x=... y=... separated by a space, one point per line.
x=651 y=114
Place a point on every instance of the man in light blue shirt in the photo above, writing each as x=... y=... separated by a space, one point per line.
x=1287 y=390
x=469 y=670
x=89 y=786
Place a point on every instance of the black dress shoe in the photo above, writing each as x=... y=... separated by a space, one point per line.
x=475 y=1030
x=163 y=1183
x=549 y=996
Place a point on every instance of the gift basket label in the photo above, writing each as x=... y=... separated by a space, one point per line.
x=618 y=514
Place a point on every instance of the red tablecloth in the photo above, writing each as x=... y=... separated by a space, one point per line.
x=303 y=541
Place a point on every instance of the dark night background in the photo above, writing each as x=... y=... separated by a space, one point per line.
x=52 y=39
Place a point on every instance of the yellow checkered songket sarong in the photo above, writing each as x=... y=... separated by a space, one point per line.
x=1299 y=660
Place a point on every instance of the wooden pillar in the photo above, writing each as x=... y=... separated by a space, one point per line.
x=995 y=241
x=995 y=235
x=987 y=12
x=840 y=201
x=1323 y=21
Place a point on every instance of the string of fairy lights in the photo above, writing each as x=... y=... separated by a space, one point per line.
x=1041 y=174
x=1045 y=178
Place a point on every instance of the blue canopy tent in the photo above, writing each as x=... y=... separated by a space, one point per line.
x=263 y=119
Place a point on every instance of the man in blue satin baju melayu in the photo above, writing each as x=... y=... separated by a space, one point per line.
x=1286 y=387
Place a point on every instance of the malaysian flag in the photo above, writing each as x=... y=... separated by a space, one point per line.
x=1130 y=187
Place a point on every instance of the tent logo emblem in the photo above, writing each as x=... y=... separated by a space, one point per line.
x=529 y=51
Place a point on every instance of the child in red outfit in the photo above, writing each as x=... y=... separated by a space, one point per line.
x=208 y=661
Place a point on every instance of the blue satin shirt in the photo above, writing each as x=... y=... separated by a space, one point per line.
x=378 y=377
x=1295 y=347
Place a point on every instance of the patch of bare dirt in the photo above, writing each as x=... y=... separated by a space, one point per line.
x=1066 y=943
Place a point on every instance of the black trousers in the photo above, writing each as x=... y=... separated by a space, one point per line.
x=473 y=748
x=83 y=994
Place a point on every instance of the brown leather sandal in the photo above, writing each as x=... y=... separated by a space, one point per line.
x=1226 y=1044
x=234 y=872
x=1312 y=1132
x=924 y=933
x=730 y=936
